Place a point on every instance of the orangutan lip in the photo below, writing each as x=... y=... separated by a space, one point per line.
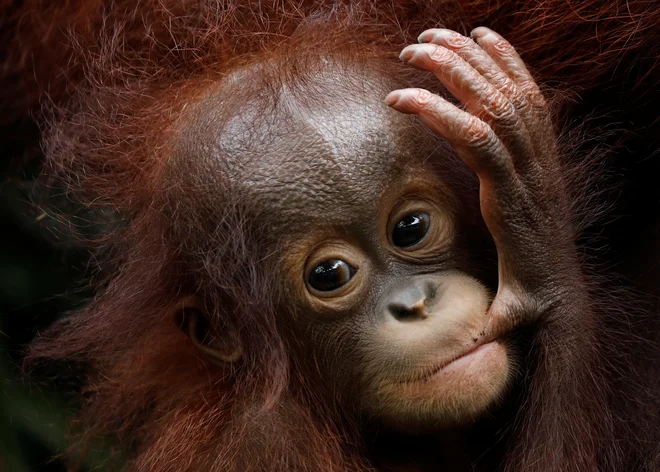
x=429 y=374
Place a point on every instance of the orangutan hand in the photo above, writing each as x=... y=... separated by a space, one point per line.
x=505 y=135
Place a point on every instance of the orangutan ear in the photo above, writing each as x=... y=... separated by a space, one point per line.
x=193 y=320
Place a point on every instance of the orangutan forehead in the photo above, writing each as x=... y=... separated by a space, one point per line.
x=303 y=161
x=296 y=157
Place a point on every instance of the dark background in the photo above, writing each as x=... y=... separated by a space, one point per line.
x=40 y=279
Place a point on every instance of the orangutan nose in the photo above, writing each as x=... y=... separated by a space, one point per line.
x=412 y=301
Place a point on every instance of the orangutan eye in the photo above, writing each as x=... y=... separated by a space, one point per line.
x=330 y=275
x=411 y=229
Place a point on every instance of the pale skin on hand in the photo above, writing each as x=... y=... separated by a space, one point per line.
x=505 y=135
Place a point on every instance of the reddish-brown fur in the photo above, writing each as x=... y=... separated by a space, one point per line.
x=117 y=78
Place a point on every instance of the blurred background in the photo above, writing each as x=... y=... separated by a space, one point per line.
x=39 y=281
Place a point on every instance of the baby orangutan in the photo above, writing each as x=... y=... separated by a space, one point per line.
x=329 y=259
x=364 y=218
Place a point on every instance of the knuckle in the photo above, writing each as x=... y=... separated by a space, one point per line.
x=533 y=94
x=458 y=41
x=501 y=109
x=503 y=47
x=518 y=100
x=441 y=55
x=509 y=89
x=478 y=134
x=423 y=98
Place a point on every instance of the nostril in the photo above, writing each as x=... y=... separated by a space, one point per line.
x=399 y=312
x=405 y=313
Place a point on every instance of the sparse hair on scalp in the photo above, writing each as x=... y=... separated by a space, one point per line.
x=118 y=77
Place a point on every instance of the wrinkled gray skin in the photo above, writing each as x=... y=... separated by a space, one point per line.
x=300 y=159
x=324 y=167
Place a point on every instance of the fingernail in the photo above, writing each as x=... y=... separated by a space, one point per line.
x=407 y=53
x=392 y=98
x=432 y=35
x=481 y=32
x=426 y=37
